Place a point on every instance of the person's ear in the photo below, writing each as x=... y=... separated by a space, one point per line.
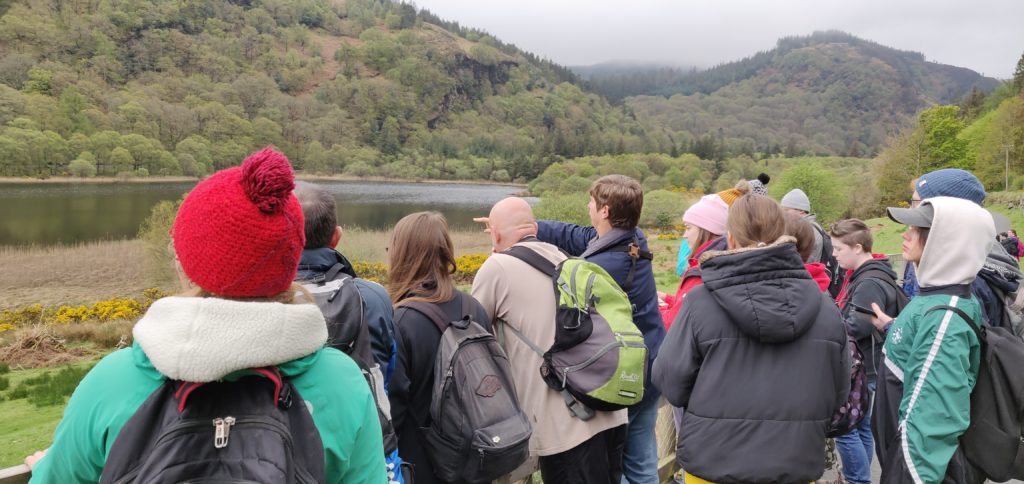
x=336 y=236
x=604 y=212
x=731 y=242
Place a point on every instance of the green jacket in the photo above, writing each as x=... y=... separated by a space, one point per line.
x=931 y=358
x=924 y=395
x=331 y=384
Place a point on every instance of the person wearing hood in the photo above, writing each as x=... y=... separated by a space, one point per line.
x=705 y=224
x=1000 y=275
x=802 y=230
x=757 y=358
x=931 y=355
x=238 y=237
x=869 y=280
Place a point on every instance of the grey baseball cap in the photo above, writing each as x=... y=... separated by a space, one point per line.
x=918 y=217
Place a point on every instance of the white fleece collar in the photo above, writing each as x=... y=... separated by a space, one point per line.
x=204 y=339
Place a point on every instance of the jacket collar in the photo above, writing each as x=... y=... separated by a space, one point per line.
x=614 y=237
x=205 y=339
x=960 y=290
x=315 y=262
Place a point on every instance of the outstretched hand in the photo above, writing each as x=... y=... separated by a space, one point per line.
x=880 y=320
x=484 y=220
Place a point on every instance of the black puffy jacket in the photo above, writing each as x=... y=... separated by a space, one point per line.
x=758 y=359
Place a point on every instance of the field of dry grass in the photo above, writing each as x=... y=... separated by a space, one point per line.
x=82 y=274
x=78 y=274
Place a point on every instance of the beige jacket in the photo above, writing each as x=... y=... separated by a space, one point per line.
x=522 y=297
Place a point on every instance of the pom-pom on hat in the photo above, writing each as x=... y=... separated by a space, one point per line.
x=757 y=185
x=239 y=233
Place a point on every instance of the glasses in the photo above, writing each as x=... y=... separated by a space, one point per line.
x=915 y=202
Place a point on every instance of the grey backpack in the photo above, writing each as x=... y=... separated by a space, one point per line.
x=477 y=430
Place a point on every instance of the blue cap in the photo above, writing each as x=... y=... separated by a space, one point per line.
x=950 y=182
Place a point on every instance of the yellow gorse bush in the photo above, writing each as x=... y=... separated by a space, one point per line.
x=129 y=308
x=466 y=267
x=105 y=310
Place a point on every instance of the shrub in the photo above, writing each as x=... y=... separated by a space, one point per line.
x=155 y=233
x=564 y=208
x=662 y=209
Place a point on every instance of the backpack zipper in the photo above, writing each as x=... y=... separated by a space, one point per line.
x=221 y=431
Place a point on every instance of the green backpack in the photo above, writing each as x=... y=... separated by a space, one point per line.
x=598 y=359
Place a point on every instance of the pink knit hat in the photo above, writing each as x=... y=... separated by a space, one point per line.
x=709 y=213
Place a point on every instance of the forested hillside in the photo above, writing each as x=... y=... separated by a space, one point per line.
x=363 y=87
x=828 y=93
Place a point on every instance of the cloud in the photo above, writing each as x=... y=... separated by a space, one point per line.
x=984 y=35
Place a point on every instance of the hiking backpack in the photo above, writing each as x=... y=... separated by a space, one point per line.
x=338 y=298
x=858 y=404
x=994 y=442
x=477 y=431
x=835 y=273
x=254 y=429
x=598 y=360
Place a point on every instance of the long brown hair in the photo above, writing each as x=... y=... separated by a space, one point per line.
x=421 y=259
x=755 y=220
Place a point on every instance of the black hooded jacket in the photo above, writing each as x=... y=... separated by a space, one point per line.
x=864 y=288
x=758 y=359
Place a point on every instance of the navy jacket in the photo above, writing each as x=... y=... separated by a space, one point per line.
x=379 y=312
x=583 y=242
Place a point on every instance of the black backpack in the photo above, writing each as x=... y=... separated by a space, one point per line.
x=477 y=431
x=254 y=429
x=849 y=415
x=339 y=300
x=835 y=273
x=994 y=442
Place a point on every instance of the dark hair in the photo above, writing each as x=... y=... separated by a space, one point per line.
x=852 y=232
x=802 y=230
x=319 y=211
x=624 y=198
x=755 y=219
x=421 y=259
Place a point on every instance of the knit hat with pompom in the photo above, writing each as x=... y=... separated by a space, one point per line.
x=239 y=233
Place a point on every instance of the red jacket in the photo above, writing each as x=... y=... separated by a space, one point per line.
x=691 y=279
x=818 y=273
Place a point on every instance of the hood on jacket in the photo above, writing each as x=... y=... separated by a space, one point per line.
x=878 y=262
x=819 y=274
x=205 y=339
x=961 y=236
x=766 y=291
x=1004 y=264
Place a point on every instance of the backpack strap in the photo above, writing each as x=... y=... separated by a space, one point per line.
x=979 y=331
x=432 y=312
x=635 y=252
x=883 y=278
x=282 y=391
x=532 y=258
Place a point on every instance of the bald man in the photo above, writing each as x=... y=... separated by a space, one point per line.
x=569 y=450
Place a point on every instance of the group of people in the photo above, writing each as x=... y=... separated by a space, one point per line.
x=753 y=350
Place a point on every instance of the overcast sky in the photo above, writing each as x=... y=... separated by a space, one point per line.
x=984 y=35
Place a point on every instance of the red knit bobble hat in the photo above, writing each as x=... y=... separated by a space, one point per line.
x=239 y=233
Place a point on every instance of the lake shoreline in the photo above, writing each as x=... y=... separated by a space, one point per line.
x=11 y=180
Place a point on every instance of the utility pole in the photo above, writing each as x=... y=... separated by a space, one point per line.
x=1007 y=172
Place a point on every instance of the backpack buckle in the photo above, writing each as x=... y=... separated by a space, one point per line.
x=634 y=250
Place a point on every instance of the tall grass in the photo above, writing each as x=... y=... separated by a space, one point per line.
x=71 y=274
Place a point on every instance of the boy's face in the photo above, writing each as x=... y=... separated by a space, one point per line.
x=596 y=214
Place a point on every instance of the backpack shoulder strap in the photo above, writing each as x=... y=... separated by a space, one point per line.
x=432 y=312
x=532 y=258
x=979 y=331
x=635 y=252
x=883 y=278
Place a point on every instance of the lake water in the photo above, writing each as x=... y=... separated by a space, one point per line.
x=52 y=213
